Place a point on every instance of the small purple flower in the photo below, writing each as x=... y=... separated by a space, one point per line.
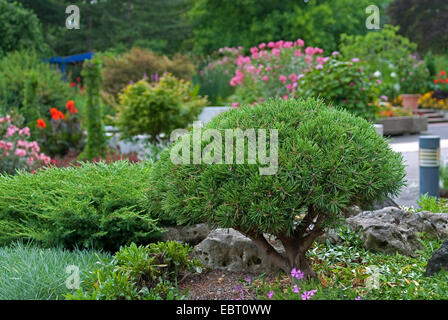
x=358 y=298
x=308 y=294
x=385 y=98
x=355 y=60
x=145 y=76
x=270 y=294
x=296 y=274
x=335 y=53
x=131 y=82
x=296 y=289
x=352 y=84
x=249 y=280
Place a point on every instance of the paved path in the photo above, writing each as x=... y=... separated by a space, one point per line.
x=408 y=146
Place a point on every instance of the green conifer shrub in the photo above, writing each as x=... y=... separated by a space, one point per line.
x=328 y=160
x=96 y=137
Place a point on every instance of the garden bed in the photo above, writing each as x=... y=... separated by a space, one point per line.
x=394 y=126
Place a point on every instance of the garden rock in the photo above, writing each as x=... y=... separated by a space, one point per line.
x=391 y=229
x=438 y=261
x=229 y=250
x=330 y=236
x=187 y=234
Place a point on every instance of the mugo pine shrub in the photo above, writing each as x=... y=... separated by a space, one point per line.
x=328 y=160
x=92 y=206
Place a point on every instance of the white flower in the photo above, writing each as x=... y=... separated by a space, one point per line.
x=397 y=87
x=377 y=74
x=393 y=74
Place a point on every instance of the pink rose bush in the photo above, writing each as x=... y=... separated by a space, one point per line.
x=272 y=70
x=16 y=151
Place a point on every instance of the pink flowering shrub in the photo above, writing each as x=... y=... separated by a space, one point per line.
x=16 y=151
x=274 y=70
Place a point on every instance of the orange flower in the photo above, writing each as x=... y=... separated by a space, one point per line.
x=436 y=81
x=442 y=73
x=41 y=123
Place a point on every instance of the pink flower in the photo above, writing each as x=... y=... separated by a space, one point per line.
x=282 y=78
x=30 y=161
x=285 y=97
x=300 y=42
x=235 y=105
x=265 y=78
x=270 y=294
x=271 y=45
x=20 y=152
x=352 y=84
x=262 y=46
x=296 y=273
x=289 y=86
x=11 y=130
x=293 y=77
x=296 y=289
x=335 y=53
x=355 y=60
x=309 y=51
x=25 y=131
x=308 y=294
x=298 y=53
x=22 y=144
x=276 y=52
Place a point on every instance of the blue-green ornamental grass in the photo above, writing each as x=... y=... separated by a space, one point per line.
x=29 y=272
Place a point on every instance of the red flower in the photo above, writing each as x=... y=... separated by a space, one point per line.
x=73 y=84
x=71 y=106
x=78 y=79
x=56 y=114
x=442 y=73
x=436 y=81
x=41 y=123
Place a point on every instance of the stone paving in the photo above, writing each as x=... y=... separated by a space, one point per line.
x=408 y=146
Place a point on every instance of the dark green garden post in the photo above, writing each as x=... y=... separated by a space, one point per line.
x=429 y=162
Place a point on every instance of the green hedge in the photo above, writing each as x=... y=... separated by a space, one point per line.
x=91 y=206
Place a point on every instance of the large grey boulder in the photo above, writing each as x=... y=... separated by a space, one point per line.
x=187 y=234
x=229 y=250
x=438 y=261
x=391 y=229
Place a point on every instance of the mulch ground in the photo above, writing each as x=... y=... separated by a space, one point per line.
x=216 y=285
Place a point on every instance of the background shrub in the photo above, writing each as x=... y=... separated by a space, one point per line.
x=328 y=160
x=20 y=29
x=91 y=206
x=158 y=108
x=51 y=91
x=119 y=71
x=343 y=83
x=382 y=51
x=142 y=273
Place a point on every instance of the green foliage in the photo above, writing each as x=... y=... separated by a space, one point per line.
x=344 y=269
x=414 y=76
x=343 y=83
x=96 y=136
x=141 y=273
x=33 y=273
x=120 y=70
x=15 y=69
x=91 y=206
x=432 y=204
x=157 y=24
x=20 y=29
x=328 y=160
x=158 y=108
x=246 y=23
x=30 y=112
x=422 y=21
x=384 y=52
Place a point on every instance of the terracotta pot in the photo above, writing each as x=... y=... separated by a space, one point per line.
x=410 y=101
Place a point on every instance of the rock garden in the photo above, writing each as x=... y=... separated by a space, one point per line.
x=196 y=161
